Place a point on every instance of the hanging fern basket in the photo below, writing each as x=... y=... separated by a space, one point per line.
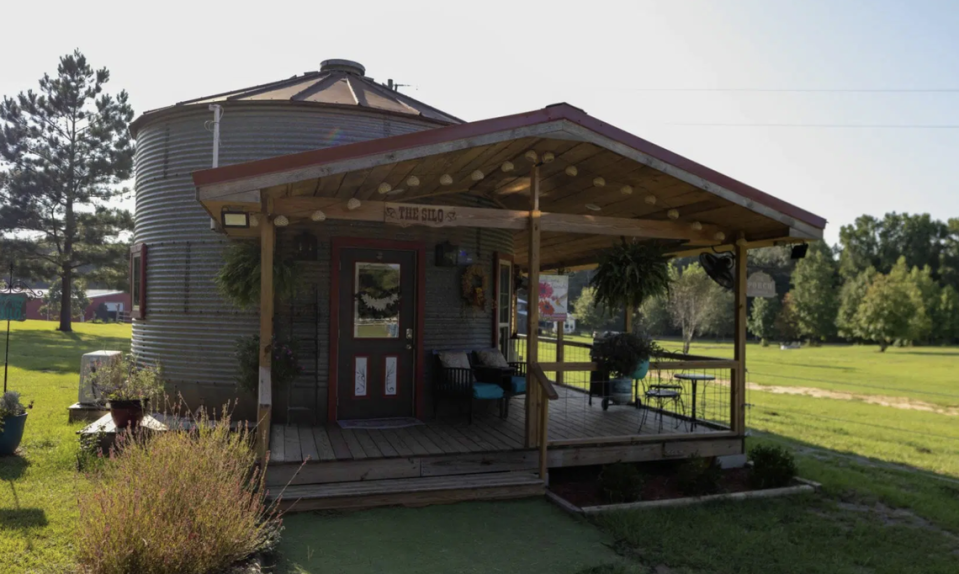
x=628 y=274
x=238 y=280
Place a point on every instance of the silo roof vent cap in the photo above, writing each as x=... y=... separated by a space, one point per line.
x=348 y=66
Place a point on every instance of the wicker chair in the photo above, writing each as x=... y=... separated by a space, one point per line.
x=455 y=378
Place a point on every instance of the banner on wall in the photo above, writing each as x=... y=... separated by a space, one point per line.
x=553 y=297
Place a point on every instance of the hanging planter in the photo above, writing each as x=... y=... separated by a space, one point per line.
x=239 y=278
x=475 y=284
x=628 y=274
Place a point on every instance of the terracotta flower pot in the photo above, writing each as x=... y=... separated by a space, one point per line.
x=12 y=433
x=127 y=413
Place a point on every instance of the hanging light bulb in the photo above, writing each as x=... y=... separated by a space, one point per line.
x=719 y=236
x=626 y=190
x=318 y=215
x=599 y=182
x=593 y=207
x=673 y=214
x=412 y=181
x=650 y=199
x=384 y=188
x=572 y=171
x=548 y=157
x=696 y=226
x=446 y=179
x=531 y=156
x=353 y=203
x=281 y=221
x=507 y=166
x=477 y=175
x=254 y=220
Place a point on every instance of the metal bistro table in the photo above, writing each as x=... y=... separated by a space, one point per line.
x=694 y=379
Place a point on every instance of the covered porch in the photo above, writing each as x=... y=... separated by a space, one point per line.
x=551 y=189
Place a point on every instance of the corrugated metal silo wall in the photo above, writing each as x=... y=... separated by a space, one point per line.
x=189 y=329
x=449 y=323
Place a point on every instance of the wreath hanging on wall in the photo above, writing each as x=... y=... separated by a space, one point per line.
x=379 y=303
x=475 y=286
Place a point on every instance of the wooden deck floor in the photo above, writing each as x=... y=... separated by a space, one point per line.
x=570 y=418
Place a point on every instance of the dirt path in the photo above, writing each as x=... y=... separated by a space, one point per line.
x=881 y=400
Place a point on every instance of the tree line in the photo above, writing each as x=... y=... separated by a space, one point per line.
x=890 y=281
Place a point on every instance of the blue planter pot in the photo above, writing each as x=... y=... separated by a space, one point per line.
x=12 y=434
x=641 y=370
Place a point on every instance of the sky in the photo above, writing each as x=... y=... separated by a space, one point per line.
x=842 y=107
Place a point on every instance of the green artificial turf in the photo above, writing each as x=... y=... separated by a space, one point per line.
x=525 y=536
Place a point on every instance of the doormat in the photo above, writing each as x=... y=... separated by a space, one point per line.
x=380 y=424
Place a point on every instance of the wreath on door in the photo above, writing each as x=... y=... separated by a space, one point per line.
x=475 y=285
x=379 y=303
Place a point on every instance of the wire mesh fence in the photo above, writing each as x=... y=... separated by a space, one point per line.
x=676 y=396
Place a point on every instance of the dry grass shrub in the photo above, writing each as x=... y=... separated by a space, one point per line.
x=176 y=502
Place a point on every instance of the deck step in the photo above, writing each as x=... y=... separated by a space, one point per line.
x=412 y=491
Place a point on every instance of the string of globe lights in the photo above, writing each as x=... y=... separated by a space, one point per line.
x=446 y=179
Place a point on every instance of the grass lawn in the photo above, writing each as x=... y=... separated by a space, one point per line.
x=890 y=502
x=38 y=490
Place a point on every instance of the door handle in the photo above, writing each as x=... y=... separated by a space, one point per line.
x=409 y=347
x=409 y=334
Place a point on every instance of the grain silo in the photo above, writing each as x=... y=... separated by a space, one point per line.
x=187 y=327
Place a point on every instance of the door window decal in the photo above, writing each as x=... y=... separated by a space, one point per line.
x=390 y=367
x=360 y=372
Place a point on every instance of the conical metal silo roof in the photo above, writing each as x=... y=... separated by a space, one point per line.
x=341 y=83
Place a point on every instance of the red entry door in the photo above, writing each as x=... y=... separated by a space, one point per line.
x=376 y=351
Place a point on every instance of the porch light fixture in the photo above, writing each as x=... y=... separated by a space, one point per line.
x=318 y=215
x=673 y=214
x=626 y=190
x=650 y=200
x=446 y=254
x=593 y=207
x=281 y=221
x=446 y=179
x=697 y=226
x=572 y=171
x=353 y=203
x=304 y=247
x=507 y=166
x=384 y=188
x=532 y=156
x=234 y=219
x=599 y=182
x=548 y=157
x=477 y=175
x=412 y=181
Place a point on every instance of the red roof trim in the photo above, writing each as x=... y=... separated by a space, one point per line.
x=484 y=127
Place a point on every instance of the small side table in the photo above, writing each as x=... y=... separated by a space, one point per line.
x=694 y=379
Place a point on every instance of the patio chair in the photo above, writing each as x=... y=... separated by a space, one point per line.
x=659 y=395
x=491 y=365
x=456 y=379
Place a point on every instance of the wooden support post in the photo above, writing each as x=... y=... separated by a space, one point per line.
x=265 y=395
x=534 y=395
x=738 y=389
x=560 y=349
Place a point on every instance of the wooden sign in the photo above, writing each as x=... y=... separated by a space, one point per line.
x=403 y=214
x=13 y=306
x=760 y=284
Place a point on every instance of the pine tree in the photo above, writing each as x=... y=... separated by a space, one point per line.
x=63 y=153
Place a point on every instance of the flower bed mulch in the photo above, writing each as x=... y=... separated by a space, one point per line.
x=580 y=485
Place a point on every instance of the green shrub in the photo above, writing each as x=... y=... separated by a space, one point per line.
x=238 y=280
x=284 y=366
x=698 y=476
x=773 y=467
x=126 y=380
x=621 y=482
x=182 y=501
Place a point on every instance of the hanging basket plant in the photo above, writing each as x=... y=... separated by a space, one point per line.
x=475 y=283
x=238 y=280
x=628 y=274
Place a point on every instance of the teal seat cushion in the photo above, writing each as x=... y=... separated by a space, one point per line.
x=518 y=384
x=487 y=391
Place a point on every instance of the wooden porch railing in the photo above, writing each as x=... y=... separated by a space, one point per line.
x=549 y=391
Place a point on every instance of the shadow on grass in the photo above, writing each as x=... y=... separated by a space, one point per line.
x=22 y=518
x=12 y=467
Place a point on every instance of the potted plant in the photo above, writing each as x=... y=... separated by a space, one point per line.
x=13 y=417
x=284 y=366
x=625 y=357
x=127 y=388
